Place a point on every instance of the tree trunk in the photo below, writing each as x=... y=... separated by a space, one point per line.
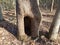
x=1 y=17
x=52 y=5
x=27 y=8
x=55 y=25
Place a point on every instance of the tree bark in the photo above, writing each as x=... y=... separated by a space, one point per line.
x=27 y=8
x=55 y=25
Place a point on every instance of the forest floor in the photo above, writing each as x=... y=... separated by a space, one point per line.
x=8 y=26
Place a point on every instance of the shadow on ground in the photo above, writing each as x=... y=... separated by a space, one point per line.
x=9 y=27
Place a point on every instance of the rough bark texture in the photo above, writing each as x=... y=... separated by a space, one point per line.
x=55 y=25
x=28 y=8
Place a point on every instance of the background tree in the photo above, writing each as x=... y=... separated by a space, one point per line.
x=52 y=5
x=55 y=25
x=1 y=17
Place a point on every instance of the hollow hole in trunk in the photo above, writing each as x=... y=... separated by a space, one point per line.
x=27 y=25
